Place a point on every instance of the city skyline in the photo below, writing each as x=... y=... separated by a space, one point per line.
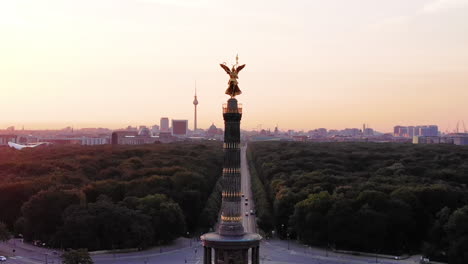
x=332 y=64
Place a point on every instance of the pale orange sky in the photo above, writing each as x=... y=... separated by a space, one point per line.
x=310 y=63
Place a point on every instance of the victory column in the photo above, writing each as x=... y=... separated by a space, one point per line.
x=230 y=243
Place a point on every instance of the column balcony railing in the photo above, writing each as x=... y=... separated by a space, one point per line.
x=227 y=110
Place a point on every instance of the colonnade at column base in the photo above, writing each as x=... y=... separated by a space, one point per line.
x=220 y=249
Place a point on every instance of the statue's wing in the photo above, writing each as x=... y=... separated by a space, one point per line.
x=226 y=68
x=240 y=68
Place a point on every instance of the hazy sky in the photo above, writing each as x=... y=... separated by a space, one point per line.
x=310 y=63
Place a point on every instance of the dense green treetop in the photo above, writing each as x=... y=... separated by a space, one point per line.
x=377 y=197
x=4 y=233
x=118 y=196
x=79 y=256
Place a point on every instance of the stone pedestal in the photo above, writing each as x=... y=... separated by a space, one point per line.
x=220 y=249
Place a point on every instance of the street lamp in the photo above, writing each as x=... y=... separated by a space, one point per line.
x=287 y=235
x=188 y=236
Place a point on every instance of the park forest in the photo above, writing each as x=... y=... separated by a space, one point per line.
x=373 y=197
x=110 y=197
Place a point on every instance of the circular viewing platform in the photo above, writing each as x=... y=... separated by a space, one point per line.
x=217 y=240
x=229 y=110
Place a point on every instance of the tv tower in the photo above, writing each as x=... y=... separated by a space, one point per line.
x=195 y=103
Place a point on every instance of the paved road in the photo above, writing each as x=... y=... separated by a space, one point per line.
x=25 y=253
x=271 y=252
x=277 y=252
x=181 y=251
x=248 y=220
x=190 y=254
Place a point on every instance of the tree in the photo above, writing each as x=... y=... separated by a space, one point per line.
x=310 y=218
x=438 y=244
x=105 y=225
x=4 y=234
x=167 y=219
x=79 y=256
x=457 y=227
x=38 y=186
x=43 y=212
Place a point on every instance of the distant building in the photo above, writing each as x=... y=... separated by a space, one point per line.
x=144 y=132
x=368 y=132
x=4 y=139
x=276 y=132
x=92 y=141
x=412 y=131
x=118 y=137
x=460 y=140
x=164 y=124
x=318 y=133
x=132 y=138
x=130 y=128
x=155 y=130
x=166 y=137
x=456 y=139
x=212 y=131
x=179 y=127
x=62 y=141
x=430 y=131
x=351 y=132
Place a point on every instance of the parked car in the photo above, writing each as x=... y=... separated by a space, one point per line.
x=424 y=260
x=251 y=212
x=246 y=199
x=2 y=258
x=246 y=203
x=246 y=213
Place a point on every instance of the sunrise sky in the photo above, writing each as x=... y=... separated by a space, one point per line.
x=310 y=63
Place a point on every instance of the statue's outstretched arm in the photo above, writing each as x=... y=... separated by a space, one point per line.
x=226 y=68
x=240 y=68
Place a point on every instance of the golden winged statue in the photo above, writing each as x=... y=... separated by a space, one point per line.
x=233 y=88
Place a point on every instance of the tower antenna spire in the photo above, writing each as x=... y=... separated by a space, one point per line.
x=195 y=103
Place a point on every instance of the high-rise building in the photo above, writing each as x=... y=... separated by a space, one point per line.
x=155 y=130
x=432 y=131
x=179 y=127
x=412 y=131
x=195 y=103
x=164 y=124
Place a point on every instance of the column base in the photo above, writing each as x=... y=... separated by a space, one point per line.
x=232 y=249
